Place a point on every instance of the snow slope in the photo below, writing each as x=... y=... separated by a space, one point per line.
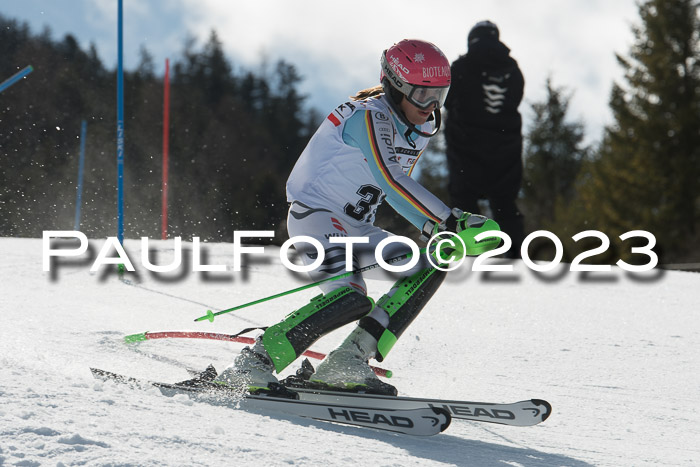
x=615 y=354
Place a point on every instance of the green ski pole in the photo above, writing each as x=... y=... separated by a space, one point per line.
x=211 y=315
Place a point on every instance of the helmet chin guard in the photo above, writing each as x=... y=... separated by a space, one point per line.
x=396 y=107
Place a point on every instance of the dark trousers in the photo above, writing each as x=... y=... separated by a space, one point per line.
x=470 y=182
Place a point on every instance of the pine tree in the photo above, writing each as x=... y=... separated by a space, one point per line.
x=233 y=139
x=648 y=171
x=553 y=156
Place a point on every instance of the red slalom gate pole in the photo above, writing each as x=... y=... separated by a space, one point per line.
x=145 y=336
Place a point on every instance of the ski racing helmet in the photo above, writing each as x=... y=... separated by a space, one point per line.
x=418 y=71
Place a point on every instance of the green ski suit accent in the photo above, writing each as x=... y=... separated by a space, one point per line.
x=403 y=305
x=285 y=341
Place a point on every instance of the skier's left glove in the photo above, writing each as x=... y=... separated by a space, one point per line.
x=466 y=226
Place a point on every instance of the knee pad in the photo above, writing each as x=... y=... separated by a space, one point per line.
x=403 y=304
x=285 y=341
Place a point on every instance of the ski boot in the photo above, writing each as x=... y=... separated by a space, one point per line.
x=252 y=373
x=347 y=367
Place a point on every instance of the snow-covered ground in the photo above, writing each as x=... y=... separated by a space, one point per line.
x=617 y=355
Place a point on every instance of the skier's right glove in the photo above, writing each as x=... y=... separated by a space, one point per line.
x=466 y=226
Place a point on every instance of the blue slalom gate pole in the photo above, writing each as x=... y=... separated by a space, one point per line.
x=120 y=127
x=81 y=167
x=16 y=77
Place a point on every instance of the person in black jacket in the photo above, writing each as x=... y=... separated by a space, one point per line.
x=483 y=131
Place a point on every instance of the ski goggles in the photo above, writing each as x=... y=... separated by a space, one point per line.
x=424 y=96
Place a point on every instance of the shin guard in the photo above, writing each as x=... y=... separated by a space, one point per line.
x=285 y=341
x=403 y=303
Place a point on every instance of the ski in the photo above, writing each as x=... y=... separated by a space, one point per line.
x=423 y=421
x=524 y=413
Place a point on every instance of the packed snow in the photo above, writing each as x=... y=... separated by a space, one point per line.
x=616 y=354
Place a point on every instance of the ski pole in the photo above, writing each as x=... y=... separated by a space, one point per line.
x=149 y=335
x=211 y=315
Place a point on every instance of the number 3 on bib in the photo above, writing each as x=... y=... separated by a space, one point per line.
x=371 y=197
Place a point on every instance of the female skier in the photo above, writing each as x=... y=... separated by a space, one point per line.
x=362 y=154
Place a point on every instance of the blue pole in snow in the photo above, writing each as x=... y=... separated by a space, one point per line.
x=120 y=128
x=81 y=166
x=16 y=77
